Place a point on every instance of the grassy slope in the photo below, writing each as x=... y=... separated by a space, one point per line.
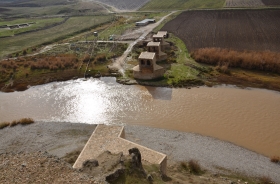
x=79 y=8
x=125 y=22
x=180 y=71
x=74 y=24
x=40 y=23
x=182 y=4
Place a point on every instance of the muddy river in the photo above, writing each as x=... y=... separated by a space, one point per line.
x=246 y=117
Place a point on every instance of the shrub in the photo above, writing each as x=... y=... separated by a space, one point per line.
x=26 y=121
x=72 y=156
x=21 y=87
x=265 y=180
x=275 y=159
x=4 y=124
x=184 y=165
x=86 y=58
x=100 y=58
x=14 y=123
x=23 y=121
x=194 y=167
x=263 y=61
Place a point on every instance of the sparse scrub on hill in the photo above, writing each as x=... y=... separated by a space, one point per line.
x=55 y=63
x=252 y=60
x=8 y=64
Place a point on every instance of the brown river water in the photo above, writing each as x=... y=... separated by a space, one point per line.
x=247 y=117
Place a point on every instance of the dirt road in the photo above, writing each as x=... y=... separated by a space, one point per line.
x=145 y=30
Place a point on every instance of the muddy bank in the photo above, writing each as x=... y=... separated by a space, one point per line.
x=62 y=138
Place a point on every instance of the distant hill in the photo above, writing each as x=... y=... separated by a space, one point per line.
x=32 y=3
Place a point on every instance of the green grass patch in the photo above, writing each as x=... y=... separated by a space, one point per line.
x=50 y=7
x=182 y=4
x=182 y=72
x=38 y=24
x=72 y=26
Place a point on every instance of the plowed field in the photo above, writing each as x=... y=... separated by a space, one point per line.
x=237 y=29
x=243 y=3
x=271 y=2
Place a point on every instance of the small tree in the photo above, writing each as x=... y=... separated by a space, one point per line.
x=24 y=52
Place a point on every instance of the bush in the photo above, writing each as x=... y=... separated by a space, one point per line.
x=26 y=121
x=4 y=124
x=23 y=121
x=252 y=60
x=265 y=180
x=14 y=123
x=100 y=58
x=194 y=167
x=184 y=165
x=275 y=159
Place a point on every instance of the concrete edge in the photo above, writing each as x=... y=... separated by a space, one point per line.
x=74 y=166
x=162 y=163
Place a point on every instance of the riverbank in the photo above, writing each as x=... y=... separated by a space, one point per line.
x=238 y=77
x=217 y=156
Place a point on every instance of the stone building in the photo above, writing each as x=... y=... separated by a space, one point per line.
x=147 y=68
x=155 y=47
x=159 y=37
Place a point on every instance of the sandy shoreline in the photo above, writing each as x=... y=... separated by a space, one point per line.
x=61 y=138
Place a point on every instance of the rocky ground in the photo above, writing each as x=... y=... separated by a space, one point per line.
x=23 y=158
x=38 y=167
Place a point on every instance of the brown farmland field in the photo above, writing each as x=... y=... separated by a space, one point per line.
x=255 y=30
x=271 y=2
x=243 y=3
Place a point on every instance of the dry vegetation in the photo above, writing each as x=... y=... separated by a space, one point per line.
x=9 y=67
x=23 y=121
x=55 y=62
x=275 y=159
x=265 y=180
x=192 y=166
x=263 y=61
x=4 y=124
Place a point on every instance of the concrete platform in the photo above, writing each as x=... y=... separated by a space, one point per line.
x=112 y=138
